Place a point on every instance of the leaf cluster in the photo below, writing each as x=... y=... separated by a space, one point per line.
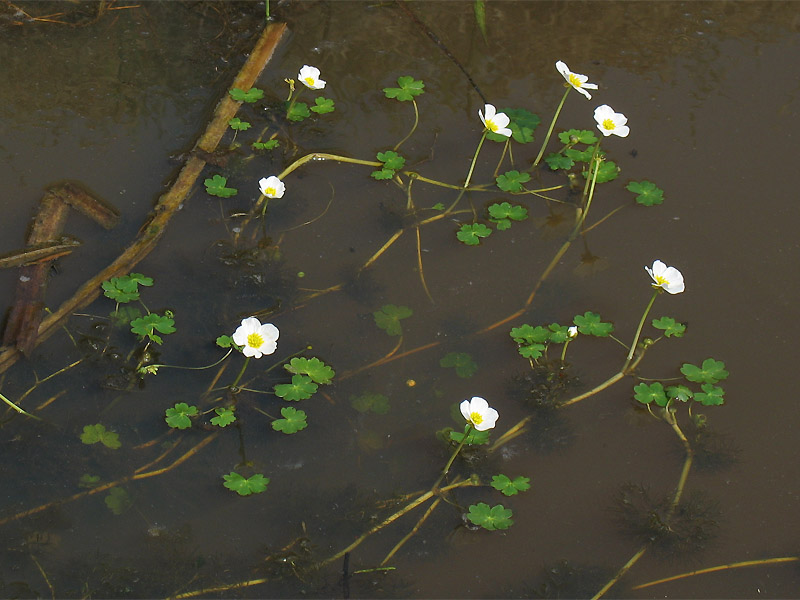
x=522 y=124
x=407 y=89
x=471 y=234
x=250 y=96
x=126 y=288
x=179 y=416
x=392 y=162
x=533 y=341
x=707 y=375
x=217 y=186
x=490 y=517
x=648 y=193
x=370 y=402
x=463 y=363
x=511 y=181
x=93 y=434
x=510 y=487
x=470 y=437
x=503 y=213
x=146 y=327
x=388 y=318
x=578 y=148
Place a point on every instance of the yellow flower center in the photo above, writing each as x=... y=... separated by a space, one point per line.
x=309 y=81
x=476 y=418
x=661 y=280
x=608 y=124
x=270 y=191
x=573 y=79
x=254 y=340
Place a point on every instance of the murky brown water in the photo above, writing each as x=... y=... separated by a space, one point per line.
x=710 y=91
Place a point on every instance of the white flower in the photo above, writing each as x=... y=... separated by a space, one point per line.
x=576 y=80
x=610 y=122
x=494 y=121
x=271 y=187
x=667 y=278
x=256 y=339
x=572 y=332
x=309 y=77
x=479 y=414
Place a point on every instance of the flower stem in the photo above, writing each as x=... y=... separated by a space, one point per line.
x=632 y=350
x=467 y=431
x=241 y=372
x=475 y=159
x=552 y=124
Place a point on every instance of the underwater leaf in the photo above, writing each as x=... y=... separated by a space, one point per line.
x=649 y=194
x=225 y=416
x=123 y=316
x=88 y=481
x=590 y=324
x=653 y=392
x=268 y=145
x=471 y=234
x=711 y=395
x=323 y=105
x=502 y=483
x=388 y=318
x=297 y=111
x=301 y=388
x=511 y=181
x=178 y=416
x=491 y=518
x=238 y=125
x=712 y=371
x=464 y=364
x=251 y=95
x=577 y=136
x=558 y=161
x=522 y=125
x=408 y=88
x=377 y=403
x=313 y=367
x=255 y=484
x=216 y=186
x=98 y=433
x=670 y=326
x=679 y=392
x=525 y=334
x=293 y=421
x=118 y=500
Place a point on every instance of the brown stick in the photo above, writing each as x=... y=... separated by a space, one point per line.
x=37 y=253
x=82 y=200
x=169 y=203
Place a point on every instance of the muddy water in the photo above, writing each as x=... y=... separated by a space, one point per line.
x=712 y=106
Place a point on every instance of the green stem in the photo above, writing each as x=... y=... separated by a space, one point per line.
x=413 y=129
x=17 y=408
x=552 y=124
x=626 y=567
x=469 y=175
x=239 y=376
x=449 y=464
x=632 y=350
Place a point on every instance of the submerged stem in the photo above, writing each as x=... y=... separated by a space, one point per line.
x=413 y=129
x=241 y=372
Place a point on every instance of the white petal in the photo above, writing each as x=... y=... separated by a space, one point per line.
x=501 y=120
x=489 y=111
x=269 y=332
x=478 y=404
x=465 y=411
x=562 y=68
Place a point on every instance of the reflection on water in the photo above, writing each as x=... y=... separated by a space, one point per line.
x=697 y=84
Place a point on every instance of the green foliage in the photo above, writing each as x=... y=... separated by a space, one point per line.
x=671 y=327
x=607 y=171
x=238 y=125
x=377 y=403
x=126 y=288
x=254 y=484
x=438 y=206
x=649 y=194
x=526 y=334
x=123 y=316
x=297 y=111
x=579 y=155
x=590 y=324
x=577 y=136
x=653 y=392
x=523 y=124
x=408 y=87
x=464 y=364
x=511 y=181
x=509 y=487
x=711 y=395
x=225 y=341
x=470 y=234
x=480 y=17
x=392 y=162
x=118 y=500
x=148 y=325
x=88 y=481
x=216 y=186
x=711 y=371
x=313 y=367
x=301 y=388
x=532 y=351
x=679 y=392
x=558 y=333
x=388 y=318
x=323 y=105
x=268 y=145
x=503 y=213
x=225 y=416
x=98 y=433
x=473 y=438
x=178 y=416
x=293 y=420
x=491 y=518
x=251 y=95
x=558 y=161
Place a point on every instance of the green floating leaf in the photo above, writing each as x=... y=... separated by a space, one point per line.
x=679 y=392
x=470 y=234
x=118 y=500
x=238 y=125
x=251 y=95
x=216 y=186
x=297 y=111
x=254 y=484
x=559 y=333
x=301 y=388
x=224 y=341
x=608 y=171
x=474 y=438
x=526 y=334
x=649 y=194
x=577 y=136
x=711 y=395
x=148 y=325
x=377 y=403
x=670 y=326
x=388 y=318
x=579 y=155
x=558 y=161
x=313 y=367
x=523 y=124
x=126 y=288
x=590 y=324
x=504 y=212
x=98 y=433
x=391 y=160
x=511 y=181
x=509 y=487
x=464 y=364
x=533 y=351
x=268 y=145
x=225 y=416
x=712 y=371
x=491 y=518
x=178 y=416
x=408 y=87
x=323 y=105
x=653 y=392
x=293 y=420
